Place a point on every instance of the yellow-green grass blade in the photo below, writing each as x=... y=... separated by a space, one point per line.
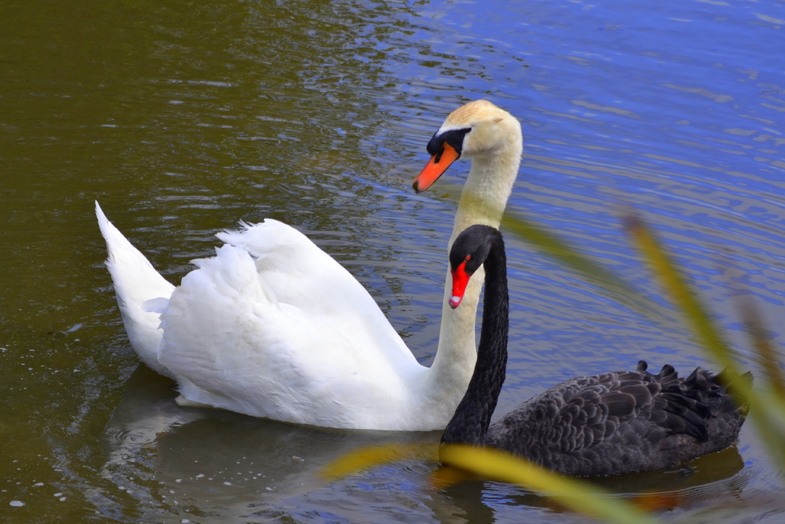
x=577 y=495
x=763 y=345
x=766 y=408
x=371 y=456
x=613 y=285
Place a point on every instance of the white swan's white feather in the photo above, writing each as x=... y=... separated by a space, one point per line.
x=135 y=281
x=327 y=344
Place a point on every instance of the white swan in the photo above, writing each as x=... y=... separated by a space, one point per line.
x=273 y=327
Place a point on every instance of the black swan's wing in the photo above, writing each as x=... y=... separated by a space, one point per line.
x=622 y=422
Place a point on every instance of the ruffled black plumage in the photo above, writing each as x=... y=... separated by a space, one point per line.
x=622 y=422
x=607 y=424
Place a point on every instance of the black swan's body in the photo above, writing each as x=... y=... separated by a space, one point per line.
x=608 y=424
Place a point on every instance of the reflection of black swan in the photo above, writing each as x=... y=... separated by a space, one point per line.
x=608 y=424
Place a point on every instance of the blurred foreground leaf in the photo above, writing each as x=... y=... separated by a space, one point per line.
x=574 y=494
x=763 y=346
x=577 y=495
x=372 y=456
x=665 y=270
x=767 y=402
x=594 y=273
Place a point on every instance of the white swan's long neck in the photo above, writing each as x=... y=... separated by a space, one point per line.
x=483 y=200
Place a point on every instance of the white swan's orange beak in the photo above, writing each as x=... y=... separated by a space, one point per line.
x=460 y=279
x=435 y=167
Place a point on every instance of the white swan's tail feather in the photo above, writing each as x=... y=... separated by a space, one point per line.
x=136 y=282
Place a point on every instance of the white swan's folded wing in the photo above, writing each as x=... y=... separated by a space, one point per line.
x=287 y=334
x=300 y=274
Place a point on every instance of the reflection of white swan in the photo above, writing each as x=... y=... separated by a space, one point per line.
x=146 y=412
x=216 y=466
x=273 y=327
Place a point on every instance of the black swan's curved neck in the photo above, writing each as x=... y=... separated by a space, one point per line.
x=472 y=418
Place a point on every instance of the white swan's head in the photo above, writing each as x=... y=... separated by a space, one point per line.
x=478 y=129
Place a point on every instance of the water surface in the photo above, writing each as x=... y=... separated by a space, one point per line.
x=184 y=119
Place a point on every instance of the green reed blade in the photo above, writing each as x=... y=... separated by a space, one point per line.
x=613 y=285
x=577 y=495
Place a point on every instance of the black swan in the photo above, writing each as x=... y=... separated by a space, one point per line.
x=607 y=424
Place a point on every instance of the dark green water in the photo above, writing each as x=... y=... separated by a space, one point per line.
x=183 y=119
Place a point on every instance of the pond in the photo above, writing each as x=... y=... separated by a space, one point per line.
x=184 y=118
